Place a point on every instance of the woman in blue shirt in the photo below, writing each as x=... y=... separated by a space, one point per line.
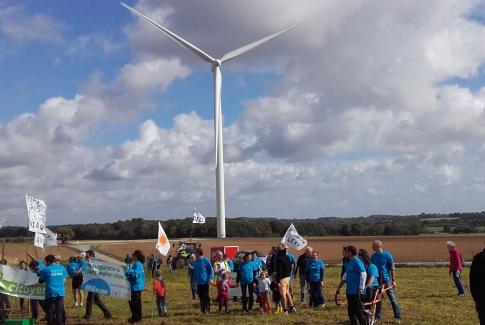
x=315 y=271
x=245 y=277
x=136 y=277
x=372 y=281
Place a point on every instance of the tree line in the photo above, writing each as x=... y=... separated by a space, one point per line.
x=375 y=225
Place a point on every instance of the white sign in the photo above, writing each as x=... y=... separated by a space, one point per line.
x=36 y=210
x=233 y=292
x=293 y=239
x=106 y=279
x=198 y=218
x=163 y=244
x=39 y=240
x=45 y=240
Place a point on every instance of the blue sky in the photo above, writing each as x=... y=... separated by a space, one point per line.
x=360 y=111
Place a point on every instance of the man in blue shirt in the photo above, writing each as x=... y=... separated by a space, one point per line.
x=93 y=297
x=354 y=277
x=204 y=273
x=136 y=276
x=229 y=262
x=54 y=276
x=314 y=272
x=385 y=265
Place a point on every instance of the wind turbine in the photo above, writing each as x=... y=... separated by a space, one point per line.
x=217 y=76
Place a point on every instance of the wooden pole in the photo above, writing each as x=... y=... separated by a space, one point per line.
x=3 y=249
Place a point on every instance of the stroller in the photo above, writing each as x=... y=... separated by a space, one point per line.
x=369 y=306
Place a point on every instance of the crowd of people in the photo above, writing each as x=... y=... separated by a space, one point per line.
x=271 y=280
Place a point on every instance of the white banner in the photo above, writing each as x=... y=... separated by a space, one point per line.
x=2 y=221
x=163 y=244
x=107 y=279
x=36 y=210
x=45 y=240
x=20 y=283
x=233 y=292
x=198 y=218
x=39 y=240
x=293 y=239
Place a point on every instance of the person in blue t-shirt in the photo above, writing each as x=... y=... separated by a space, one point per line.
x=372 y=282
x=245 y=278
x=354 y=277
x=54 y=277
x=229 y=262
x=136 y=276
x=384 y=261
x=315 y=272
x=204 y=274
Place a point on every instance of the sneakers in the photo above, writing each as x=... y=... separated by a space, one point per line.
x=397 y=321
x=76 y=304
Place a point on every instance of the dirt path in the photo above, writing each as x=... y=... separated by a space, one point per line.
x=81 y=247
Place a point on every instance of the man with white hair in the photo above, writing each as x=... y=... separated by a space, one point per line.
x=301 y=265
x=385 y=265
x=456 y=265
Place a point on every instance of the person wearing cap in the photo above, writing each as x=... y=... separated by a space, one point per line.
x=93 y=297
x=456 y=265
x=54 y=277
x=477 y=284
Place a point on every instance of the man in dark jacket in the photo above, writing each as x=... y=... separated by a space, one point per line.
x=477 y=284
x=283 y=275
x=301 y=265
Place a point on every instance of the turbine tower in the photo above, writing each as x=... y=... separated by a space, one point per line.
x=216 y=70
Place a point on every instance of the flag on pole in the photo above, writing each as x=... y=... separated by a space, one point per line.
x=39 y=240
x=198 y=218
x=36 y=210
x=45 y=240
x=163 y=244
x=2 y=221
x=293 y=239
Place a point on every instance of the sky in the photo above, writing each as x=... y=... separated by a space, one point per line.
x=369 y=107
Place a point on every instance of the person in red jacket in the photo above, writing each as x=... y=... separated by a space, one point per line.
x=160 y=293
x=456 y=265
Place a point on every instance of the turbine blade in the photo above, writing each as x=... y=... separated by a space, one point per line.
x=194 y=49
x=237 y=52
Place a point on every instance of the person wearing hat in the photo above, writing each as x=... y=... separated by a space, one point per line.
x=477 y=284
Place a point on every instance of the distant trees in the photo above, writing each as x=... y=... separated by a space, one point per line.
x=379 y=225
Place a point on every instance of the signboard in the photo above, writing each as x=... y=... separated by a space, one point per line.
x=36 y=210
x=106 y=279
x=233 y=292
x=20 y=283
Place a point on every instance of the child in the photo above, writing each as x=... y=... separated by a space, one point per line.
x=264 y=284
x=276 y=294
x=223 y=285
x=160 y=292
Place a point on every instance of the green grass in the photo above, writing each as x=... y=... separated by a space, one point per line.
x=426 y=296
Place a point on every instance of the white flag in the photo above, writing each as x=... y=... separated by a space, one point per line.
x=198 y=218
x=39 y=240
x=163 y=244
x=2 y=221
x=293 y=239
x=36 y=210
x=50 y=238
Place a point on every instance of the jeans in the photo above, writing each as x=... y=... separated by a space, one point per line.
x=55 y=312
x=161 y=306
x=34 y=307
x=316 y=295
x=355 y=310
x=458 y=282
x=94 y=298
x=394 y=304
x=135 y=306
x=247 y=289
x=205 y=304
x=193 y=288
x=304 y=289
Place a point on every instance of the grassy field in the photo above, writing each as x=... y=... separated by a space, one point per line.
x=426 y=296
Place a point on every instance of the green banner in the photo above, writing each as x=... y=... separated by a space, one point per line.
x=20 y=283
